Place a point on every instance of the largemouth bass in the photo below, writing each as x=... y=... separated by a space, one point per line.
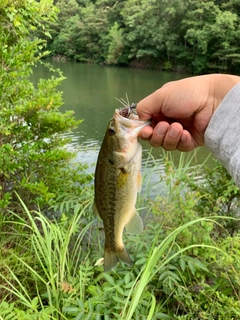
x=117 y=182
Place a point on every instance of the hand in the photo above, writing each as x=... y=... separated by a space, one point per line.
x=181 y=110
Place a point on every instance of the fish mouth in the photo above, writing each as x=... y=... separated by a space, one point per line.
x=132 y=121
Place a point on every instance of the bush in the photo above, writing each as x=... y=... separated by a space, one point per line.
x=34 y=160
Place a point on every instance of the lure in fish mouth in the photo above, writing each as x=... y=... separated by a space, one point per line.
x=126 y=112
x=117 y=182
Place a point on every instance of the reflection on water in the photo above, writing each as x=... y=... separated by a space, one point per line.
x=86 y=152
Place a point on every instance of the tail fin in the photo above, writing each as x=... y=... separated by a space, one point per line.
x=112 y=258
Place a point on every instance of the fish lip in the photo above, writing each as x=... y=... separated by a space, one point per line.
x=131 y=122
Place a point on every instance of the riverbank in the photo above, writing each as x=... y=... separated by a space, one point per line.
x=144 y=63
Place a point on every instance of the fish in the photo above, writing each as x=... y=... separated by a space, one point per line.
x=117 y=182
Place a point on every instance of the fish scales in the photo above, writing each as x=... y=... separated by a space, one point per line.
x=117 y=181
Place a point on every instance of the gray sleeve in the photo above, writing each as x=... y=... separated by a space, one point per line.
x=222 y=135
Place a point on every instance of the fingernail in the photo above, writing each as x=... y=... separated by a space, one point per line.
x=161 y=131
x=145 y=135
x=183 y=138
x=173 y=132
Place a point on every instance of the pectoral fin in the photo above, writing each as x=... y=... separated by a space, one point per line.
x=139 y=181
x=135 y=225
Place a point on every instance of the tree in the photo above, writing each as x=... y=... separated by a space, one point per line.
x=33 y=155
x=210 y=35
x=92 y=31
x=152 y=28
x=80 y=32
x=197 y=36
x=63 y=29
x=116 y=45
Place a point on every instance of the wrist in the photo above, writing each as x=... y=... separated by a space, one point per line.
x=222 y=84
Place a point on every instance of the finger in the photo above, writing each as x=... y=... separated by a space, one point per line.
x=158 y=134
x=172 y=137
x=146 y=133
x=186 y=142
x=166 y=135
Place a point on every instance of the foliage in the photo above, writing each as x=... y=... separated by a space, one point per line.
x=34 y=160
x=197 y=36
x=187 y=261
x=218 y=195
x=9 y=311
x=81 y=32
x=47 y=258
x=115 y=45
x=186 y=267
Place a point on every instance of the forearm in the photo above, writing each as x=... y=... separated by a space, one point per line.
x=222 y=135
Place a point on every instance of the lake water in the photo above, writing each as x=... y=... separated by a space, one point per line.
x=90 y=90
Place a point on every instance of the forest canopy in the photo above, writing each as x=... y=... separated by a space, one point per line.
x=190 y=35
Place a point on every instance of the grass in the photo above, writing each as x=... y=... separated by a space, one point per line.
x=183 y=268
x=57 y=251
x=155 y=265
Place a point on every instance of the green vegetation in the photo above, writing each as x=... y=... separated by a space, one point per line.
x=34 y=161
x=187 y=260
x=194 y=36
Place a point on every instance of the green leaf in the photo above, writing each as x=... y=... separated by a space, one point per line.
x=192 y=267
x=127 y=278
x=182 y=263
x=109 y=279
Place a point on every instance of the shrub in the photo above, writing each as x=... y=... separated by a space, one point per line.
x=34 y=160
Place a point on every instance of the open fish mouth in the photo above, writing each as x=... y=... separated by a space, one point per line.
x=129 y=111
x=128 y=117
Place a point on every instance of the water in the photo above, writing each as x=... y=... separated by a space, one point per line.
x=90 y=91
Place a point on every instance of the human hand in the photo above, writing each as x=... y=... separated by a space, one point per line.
x=181 y=110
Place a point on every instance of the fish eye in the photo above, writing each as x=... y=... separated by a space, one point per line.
x=111 y=131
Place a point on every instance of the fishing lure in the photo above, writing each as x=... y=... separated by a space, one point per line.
x=125 y=112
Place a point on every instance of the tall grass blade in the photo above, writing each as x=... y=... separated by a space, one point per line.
x=58 y=257
x=151 y=268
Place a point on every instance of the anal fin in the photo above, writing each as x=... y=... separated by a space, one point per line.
x=135 y=225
